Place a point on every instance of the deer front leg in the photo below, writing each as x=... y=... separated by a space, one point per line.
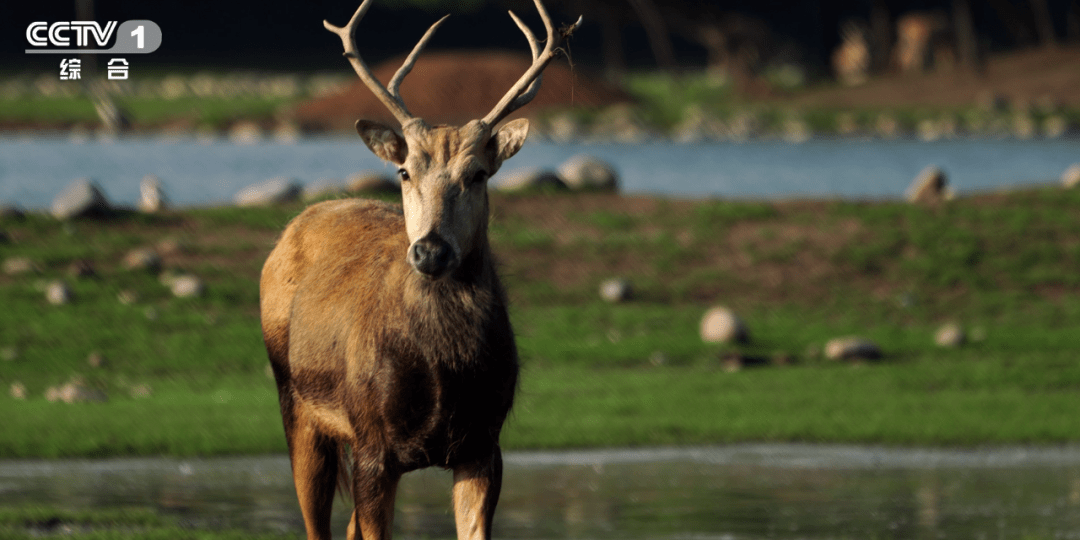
x=314 y=464
x=476 y=491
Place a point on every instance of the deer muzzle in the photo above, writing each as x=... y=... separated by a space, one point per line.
x=432 y=256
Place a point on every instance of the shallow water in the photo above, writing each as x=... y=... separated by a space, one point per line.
x=730 y=492
x=34 y=170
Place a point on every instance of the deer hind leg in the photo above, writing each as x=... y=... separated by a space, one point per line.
x=374 y=491
x=476 y=491
x=314 y=459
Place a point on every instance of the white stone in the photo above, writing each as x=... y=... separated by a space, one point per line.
x=1071 y=177
x=323 y=187
x=851 y=348
x=143 y=259
x=187 y=286
x=929 y=186
x=721 y=325
x=528 y=179
x=19 y=265
x=616 y=290
x=152 y=195
x=588 y=172
x=58 y=293
x=273 y=191
x=81 y=197
x=141 y=391
x=75 y=392
x=245 y=132
x=370 y=181
x=950 y=335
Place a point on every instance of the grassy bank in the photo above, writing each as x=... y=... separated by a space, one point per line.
x=112 y=524
x=188 y=376
x=689 y=106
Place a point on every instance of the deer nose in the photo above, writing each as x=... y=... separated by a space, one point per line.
x=431 y=255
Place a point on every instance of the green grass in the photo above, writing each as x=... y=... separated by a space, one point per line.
x=595 y=374
x=108 y=524
x=662 y=102
x=217 y=112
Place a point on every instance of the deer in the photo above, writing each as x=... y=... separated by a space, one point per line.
x=386 y=325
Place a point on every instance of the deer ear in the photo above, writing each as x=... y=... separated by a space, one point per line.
x=508 y=140
x=383 y=141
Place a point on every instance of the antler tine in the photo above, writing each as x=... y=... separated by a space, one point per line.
x=533 y=44
x=393 y=102
x=525 y=89
x=395 y=83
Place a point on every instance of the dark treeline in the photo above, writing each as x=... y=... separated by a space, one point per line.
x=618 y=34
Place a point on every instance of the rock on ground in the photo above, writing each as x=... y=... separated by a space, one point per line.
x=95 y=359
x=528 y=179
x=323 y=187
x=616 y=290
x=18 y=390
x=58 y=293
x=19 y=265
x=929 y=186
x=75 y=392
x=82 y=197
x=852 y=348
x=152 y=195
x=143 y=259
x=950 y=335
x=721 y=325
x=274 y=191
x=187 y=286
x=587 y=172
x=371 y=182
x=245 y=132
x=141 y=391
x=82 y=268
x=1071 y=177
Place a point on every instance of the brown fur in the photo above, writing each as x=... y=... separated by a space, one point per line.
x=405 y=370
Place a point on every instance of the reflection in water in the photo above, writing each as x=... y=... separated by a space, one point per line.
x=736 y=492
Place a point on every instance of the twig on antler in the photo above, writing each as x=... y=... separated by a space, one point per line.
x=525 y=89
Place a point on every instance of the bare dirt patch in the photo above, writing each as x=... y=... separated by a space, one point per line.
x=454 y=88
x=1021 y=77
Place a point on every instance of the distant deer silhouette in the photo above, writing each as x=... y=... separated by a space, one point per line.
x=386 y=325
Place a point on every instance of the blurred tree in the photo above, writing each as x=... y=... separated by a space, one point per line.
x=1072 y=22
x=652 y=19
x=1044 y=24
x=967 y=38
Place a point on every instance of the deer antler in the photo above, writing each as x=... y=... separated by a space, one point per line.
x=390 y=96
x=524 y=90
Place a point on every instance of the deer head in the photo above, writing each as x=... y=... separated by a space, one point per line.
x=444 y=169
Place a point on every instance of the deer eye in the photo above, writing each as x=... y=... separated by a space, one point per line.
x=478 y=177
x=403 y=174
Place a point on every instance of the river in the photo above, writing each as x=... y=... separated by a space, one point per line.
x=33 y=169
x=736 y=492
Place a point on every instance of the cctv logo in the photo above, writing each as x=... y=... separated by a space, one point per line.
x=42 y=34
x=131 y=37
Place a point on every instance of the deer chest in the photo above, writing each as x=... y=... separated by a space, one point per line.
x=438 y=410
